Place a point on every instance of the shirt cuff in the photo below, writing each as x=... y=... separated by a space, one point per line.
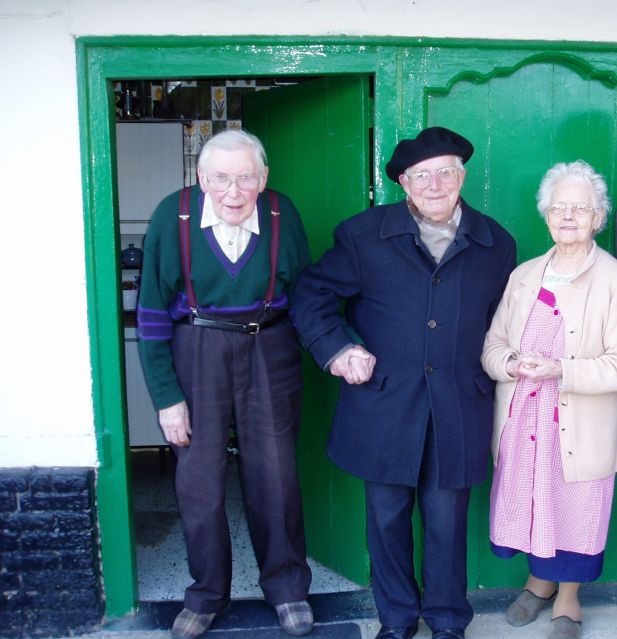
x=340 y=352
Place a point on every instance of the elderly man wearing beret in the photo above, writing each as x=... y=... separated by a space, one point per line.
x=421 y=279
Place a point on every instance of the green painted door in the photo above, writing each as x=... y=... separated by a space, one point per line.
x=316 y=135
x=522 y=120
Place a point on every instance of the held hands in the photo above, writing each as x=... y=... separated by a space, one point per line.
x=176 y=424
x=534 y=366
x=355 y=365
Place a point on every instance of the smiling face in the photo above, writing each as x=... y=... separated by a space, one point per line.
x=436 y=199
x=233 y=205
x=571 y=230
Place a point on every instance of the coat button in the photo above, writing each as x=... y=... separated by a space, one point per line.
x=428 y=368
x=432 y=323
x=436 y=279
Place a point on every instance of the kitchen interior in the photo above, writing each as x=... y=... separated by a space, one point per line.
x=161 y=126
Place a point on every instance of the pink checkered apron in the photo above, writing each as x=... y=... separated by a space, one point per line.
x=533 y=509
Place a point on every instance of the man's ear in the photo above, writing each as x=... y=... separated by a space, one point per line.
x=203 y=183
x=264 y=178
x=403 y=180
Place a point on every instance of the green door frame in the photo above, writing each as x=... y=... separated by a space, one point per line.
x=399 y=108
x=99 y=61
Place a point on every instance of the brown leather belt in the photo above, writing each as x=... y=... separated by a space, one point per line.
x=250 y=328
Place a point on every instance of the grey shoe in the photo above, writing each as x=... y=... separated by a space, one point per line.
x=565 y=628
x=526 y=608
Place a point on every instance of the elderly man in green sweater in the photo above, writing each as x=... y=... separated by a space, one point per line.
x=218 y=348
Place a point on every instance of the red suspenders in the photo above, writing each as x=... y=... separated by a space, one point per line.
x=184 y=228
x=274 y=244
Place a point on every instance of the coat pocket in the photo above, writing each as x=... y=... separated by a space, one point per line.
x=377 y=380
x=484 y=383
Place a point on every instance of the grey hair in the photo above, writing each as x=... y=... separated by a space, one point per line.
x=580 y=170
x=233 y=140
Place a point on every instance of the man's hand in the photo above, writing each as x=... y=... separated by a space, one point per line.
x=355 y=365
x=176 y=425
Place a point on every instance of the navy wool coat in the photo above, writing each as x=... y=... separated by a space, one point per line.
x=425 y=323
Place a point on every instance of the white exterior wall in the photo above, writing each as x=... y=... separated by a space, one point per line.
x=46 y=415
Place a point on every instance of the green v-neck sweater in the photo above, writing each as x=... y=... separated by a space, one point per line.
x=220 y=286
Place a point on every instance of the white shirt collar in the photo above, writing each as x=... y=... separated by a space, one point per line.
x=209 y=218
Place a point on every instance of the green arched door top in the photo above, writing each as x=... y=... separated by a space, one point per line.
x=522 y=120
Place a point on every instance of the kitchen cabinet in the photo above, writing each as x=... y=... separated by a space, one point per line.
x=150 y=159
x=144 y=429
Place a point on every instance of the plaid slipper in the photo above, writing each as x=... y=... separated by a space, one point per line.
x=296 y=618
x=190 y=625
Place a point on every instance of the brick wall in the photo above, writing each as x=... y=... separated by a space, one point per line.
x=49 y=566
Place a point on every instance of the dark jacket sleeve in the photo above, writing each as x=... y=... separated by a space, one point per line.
x=316 y=301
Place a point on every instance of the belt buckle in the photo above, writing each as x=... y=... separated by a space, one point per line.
x=252 y=328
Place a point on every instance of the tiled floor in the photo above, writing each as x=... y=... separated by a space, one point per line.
x=161 y=556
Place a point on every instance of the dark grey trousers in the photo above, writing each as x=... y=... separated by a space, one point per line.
x=256 y=381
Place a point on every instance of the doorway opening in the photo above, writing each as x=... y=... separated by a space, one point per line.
x=161 y=126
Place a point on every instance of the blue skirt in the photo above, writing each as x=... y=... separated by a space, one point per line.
x=565 y=566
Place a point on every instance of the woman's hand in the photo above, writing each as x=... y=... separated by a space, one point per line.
x=513 y=366
x=176 y=425
x=539 y=368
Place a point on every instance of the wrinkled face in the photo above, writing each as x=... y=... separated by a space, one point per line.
x=568 y=227
x=235 y=202
x=434 y=186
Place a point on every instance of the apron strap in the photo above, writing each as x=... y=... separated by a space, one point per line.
x=184 y=228
x=274 y=244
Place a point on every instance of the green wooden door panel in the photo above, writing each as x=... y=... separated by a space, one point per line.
x=521 y=122
x=316 y=136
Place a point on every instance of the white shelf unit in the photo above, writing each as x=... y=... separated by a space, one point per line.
x=144 y=427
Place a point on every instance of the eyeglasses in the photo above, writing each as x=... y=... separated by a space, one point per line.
x=222 y=182
x=421 y=179
x=578 y=209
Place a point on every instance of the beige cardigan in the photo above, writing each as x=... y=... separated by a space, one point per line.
x=588 y=395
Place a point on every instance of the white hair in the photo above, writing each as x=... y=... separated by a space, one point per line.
x=578 y=170
x=233 y=140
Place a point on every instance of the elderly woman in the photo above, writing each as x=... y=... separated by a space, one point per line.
x=552 y=348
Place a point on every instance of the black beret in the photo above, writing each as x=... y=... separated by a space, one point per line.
x=429 y=143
